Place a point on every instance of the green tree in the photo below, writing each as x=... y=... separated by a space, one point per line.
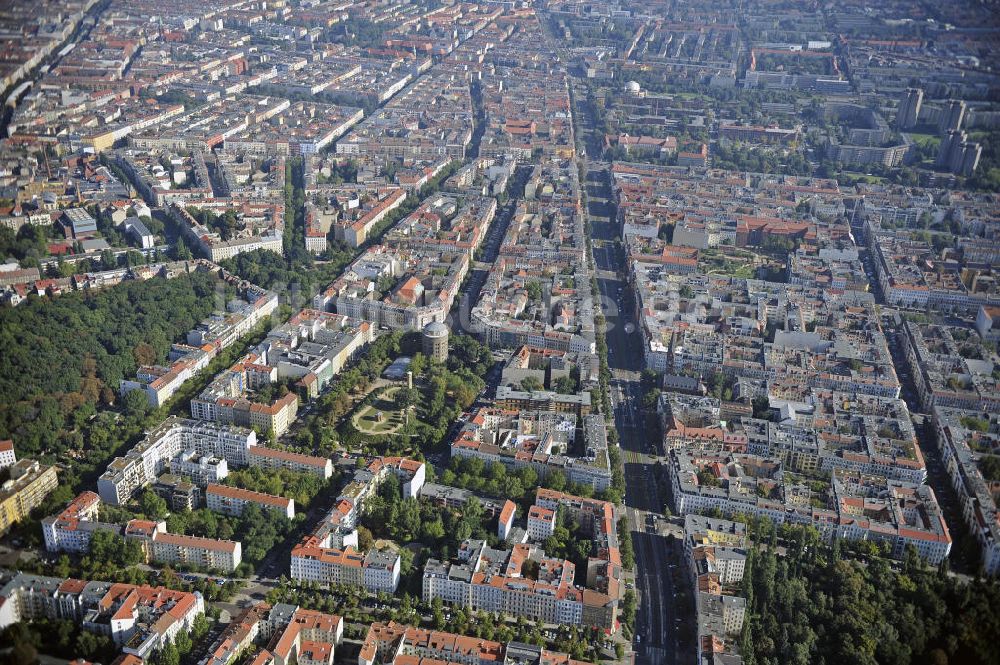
x=566 y=385
x=628 y=607
x=761 y=407
x=365 y=539
x=199 y=627
x=531 y=383
x=407 y=397
x=556 y=480
x=183 y=643
x=23 y=651
x=152 y=505
x=437 y=611
x=62 y=567
x=108 y=260
x=168 y=655
x=433 y=531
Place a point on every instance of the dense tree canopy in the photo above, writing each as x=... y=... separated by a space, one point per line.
x=60 y=638
x=27 y=244
x=816 y=607
x=258 y=529
x=64 y=355
x=300 y=486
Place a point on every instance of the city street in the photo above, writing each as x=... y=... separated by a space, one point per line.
x=489 y=251
x=656 y=621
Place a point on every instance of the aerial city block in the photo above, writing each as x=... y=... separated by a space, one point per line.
x=501 y=332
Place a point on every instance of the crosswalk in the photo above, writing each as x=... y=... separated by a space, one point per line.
x=655 y=654
x=626 y=415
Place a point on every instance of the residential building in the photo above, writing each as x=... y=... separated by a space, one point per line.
x=484 y=579
x=72 y=529
x=272 y=458
x=139 y=619
x=987 y=324
x=238 y=635
x=150 y=457
x=541 y=523
x=908 y=113
x=25 y=486
x=854 y=506
x=232 y=501
x=328 y=554
x=965 y=439
x=506 y=519
x=173 y=549
x=537 y=439
x=212 y=335
x=7 y=454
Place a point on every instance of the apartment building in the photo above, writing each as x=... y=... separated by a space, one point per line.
x=313 y=346
x=262 y=223
x=304 y=128
x=349 y=212
x=392 y=642
x=179 y=493
x=444 y=130
x=715 y=554
x=272 y=458
x=200 y=469
x=280 y=635
x=945 y=369
x=161 y=382
x=139 y=619
x=232 y=501
x=309 y=637
x=540 y=440
x=988 y=323
x=402 y=288
x=273 y=419
x=599 y=520
x=303 y=355
x=854 y=506
x=537 y=292
x=809 y=430
x=821 y=339
x=965 y=439
x=445 y=222
x=375 y=570
x=238 y=636
x=398 y=644
x=7 y=454
x=505 y=520
x=543 y=400
x=72 y=529
x=720 y=613
x=210 y=125
x=723 y=564
x=492 y=581
x=913 y=275
x=541 y=523
x=772 y=135
x=173 y=549
x=26 y=486
x=329 y=555
x=149 y=458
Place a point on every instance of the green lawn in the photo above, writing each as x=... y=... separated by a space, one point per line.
x=924 y=139
x=863 y=177
x=366 y=419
